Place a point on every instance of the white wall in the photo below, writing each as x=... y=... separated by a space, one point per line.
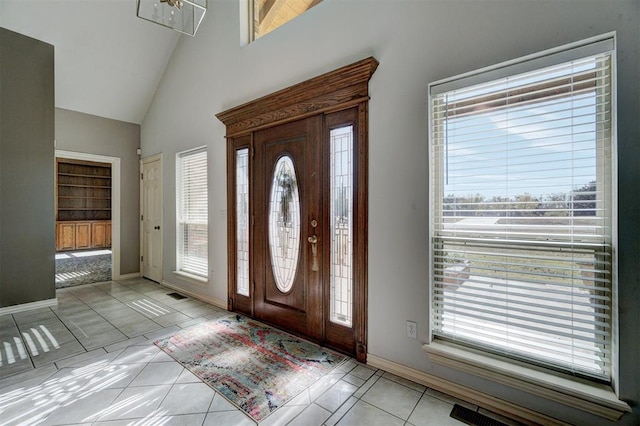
x=416 y=42
x=89 y=134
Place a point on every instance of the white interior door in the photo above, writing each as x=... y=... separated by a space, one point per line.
x=151 y=218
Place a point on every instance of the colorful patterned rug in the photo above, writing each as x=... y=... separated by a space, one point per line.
x=256 y=367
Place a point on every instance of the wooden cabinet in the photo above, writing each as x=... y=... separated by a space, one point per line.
x=98 y=234
x=107 y=237
x=66 y=236
x=83 y=235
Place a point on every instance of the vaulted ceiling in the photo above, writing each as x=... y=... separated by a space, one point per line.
x=108 y=62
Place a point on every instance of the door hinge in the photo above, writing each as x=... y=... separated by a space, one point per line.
x=253 y=220
x=141 y=217
x=141 y=258
x=141 y=176
x=230 y=304
x=253 y=151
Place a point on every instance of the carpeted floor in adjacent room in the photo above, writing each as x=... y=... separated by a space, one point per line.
x=82 y=267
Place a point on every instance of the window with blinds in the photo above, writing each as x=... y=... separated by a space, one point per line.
x=522 y=201
x=192 y=212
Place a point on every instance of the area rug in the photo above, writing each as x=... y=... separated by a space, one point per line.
x=256 y=367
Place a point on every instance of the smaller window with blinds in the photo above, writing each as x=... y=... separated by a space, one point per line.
x=522 y=210
x=192 y=212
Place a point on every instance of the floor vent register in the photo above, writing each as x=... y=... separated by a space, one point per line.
x=177 y=296
x=473 y=418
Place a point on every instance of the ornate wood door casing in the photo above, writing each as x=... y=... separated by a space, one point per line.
x=257 y=139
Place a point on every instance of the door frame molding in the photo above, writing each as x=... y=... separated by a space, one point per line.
x=338 y=90
x=334 y=91
x=150 y=159
x=115 y=200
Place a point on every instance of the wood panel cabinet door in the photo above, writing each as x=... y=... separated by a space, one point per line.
x=83 y=235
x=98 y=234
x=107 y=236
x=66 y=236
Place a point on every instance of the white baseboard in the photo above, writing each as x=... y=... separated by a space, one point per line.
x=210 y=300
x=128 y=276
x=28 y=306
x=488 y=402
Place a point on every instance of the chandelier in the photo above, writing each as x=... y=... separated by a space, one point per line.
x=183 y=16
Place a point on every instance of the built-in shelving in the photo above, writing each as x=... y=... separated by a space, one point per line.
x=83 y=204
x=83 y=190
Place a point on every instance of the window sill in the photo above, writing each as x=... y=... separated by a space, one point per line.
x=196 y=279
x=590 y=397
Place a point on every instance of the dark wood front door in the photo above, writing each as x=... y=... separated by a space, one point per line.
x=287 y=248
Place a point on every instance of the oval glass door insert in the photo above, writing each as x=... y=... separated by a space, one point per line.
x=284 y=224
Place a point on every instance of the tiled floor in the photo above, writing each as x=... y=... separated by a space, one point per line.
x=91 y=360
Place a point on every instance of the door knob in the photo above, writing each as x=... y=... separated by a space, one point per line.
x=313 y=239
x=156 y=227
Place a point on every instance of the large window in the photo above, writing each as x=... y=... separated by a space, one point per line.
x=192 y=212
x=522 y=209
x=267 y=15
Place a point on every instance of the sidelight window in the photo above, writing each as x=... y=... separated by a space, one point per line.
x=242 y=221
x=341 y=214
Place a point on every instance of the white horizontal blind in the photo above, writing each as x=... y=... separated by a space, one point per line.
x=522 y=215
x=192 y=210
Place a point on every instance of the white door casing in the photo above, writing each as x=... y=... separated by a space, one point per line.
x=115 y=201
x=151 y=217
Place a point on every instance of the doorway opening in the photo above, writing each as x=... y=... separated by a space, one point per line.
x=87 y=218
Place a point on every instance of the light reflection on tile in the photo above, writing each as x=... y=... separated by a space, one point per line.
x=100 y=367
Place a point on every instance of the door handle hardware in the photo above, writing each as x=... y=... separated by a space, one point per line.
x=314 y=252
x=156 y=227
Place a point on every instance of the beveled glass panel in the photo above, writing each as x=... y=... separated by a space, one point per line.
x=341 y=222
x=284 y=224
x=242 y=221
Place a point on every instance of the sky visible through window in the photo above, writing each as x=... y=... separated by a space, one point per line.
x=541 y=148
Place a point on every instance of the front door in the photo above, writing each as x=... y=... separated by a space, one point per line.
x=288 y=227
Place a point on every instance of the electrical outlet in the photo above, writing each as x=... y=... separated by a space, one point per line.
x=412 y=330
